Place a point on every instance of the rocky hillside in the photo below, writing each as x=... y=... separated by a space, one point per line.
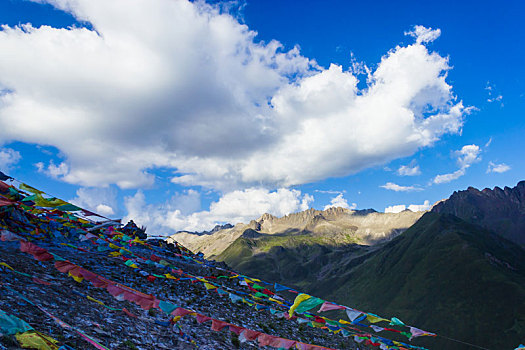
x=334 y=226
x=500 y=210
x=70 y=279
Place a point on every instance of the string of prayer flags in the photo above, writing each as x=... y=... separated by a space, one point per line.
x=30 y=189
x=137 y=297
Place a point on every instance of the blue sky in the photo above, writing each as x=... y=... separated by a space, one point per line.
x=160 y=109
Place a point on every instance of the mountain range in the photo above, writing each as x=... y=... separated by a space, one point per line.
x=458 y=270
x=332 y=227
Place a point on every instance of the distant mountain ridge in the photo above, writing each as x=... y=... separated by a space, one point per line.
x=332 y=226
x=458 y=277
x=499 y=210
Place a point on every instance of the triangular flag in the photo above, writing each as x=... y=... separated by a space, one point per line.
x=353 y=314
x=329 y=306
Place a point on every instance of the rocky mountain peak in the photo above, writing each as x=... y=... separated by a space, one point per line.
x=266 y=217
x=500 y=210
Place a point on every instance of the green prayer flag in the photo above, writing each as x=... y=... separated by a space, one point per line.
x=167 y=307
x=308 y=304
x=396 y=322
x=10 y=324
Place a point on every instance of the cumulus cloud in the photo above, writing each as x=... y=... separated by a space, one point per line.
x=52 y=170
x=409 y=170
x=178 y=84
x=340 y=201
x=102 y=201
x=233 y=207
x=445 y=178
x=466 y=156
x=8 y=158
x=423 y=34
x=497 y=168
x=412 y=207
x=398 y=188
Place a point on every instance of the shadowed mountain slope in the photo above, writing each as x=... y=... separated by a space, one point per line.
x=500 y=210
x=444 y=274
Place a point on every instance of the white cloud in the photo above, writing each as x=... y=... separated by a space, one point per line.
x=233 y=207
x=413 y=207
x=497 y=168
x=409 y=170
x=395 y=208
x=340 y=201
x=104 y=210
x=420 y=207
x=8 y=158
x=466 y=156
x=102 y=201
x=190 y=89
x=495 y=99
x=493 y=95
x=423 y=34
x=398 y=188
x=445 y=178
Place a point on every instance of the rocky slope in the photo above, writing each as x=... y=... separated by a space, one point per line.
x=69 y=282
x=334 y=226
x=500 y=210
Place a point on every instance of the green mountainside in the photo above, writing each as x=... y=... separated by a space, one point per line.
x=295 y=259
x=447 y=276
x=443 y=274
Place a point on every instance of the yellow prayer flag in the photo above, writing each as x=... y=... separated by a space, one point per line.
x=170 y=276
x=28 y=188
x=76 y=278
x=298 y=300
x=4 y=264
x=375 y=319
x=209 y=286
x=275 y=301
x=36 y=340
